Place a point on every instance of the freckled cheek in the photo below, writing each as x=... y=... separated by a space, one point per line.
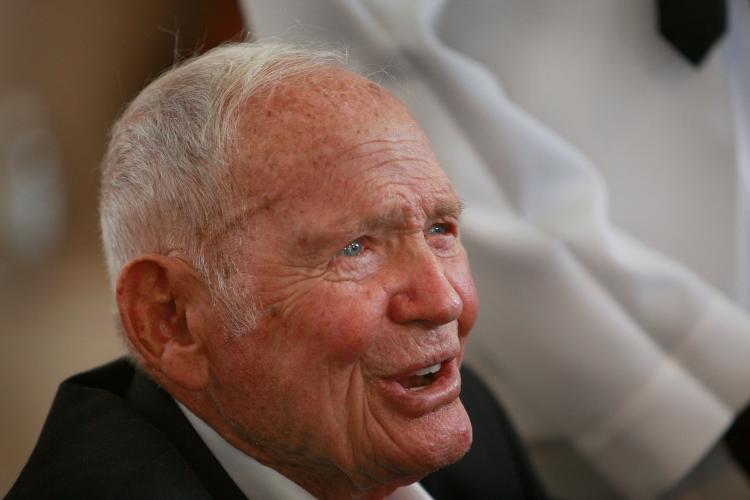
x=348 y=321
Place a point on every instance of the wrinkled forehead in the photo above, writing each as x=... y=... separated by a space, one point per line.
x=309 y=125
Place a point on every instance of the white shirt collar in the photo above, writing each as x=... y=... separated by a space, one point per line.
x=256 y=480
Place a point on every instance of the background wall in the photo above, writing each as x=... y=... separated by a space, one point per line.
x=66 y=71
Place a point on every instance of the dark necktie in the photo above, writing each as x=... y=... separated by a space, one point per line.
x=692 y=26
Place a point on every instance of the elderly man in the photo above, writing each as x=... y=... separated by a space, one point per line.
x=286 y=257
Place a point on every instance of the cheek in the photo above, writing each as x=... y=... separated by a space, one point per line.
x=345 y=320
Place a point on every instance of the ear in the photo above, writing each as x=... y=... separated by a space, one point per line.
x=156 y=295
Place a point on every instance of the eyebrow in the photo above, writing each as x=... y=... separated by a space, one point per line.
x=452 y=209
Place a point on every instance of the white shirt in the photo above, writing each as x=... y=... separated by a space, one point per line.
x=256 y=480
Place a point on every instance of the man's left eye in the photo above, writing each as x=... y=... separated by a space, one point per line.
x=439 y=228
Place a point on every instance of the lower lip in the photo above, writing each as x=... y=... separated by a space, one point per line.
x=415 y=402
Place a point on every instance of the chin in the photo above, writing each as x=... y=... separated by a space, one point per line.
x=441 y=438
x=455 y=434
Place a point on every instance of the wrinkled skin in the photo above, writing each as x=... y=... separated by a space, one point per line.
x=351 y=250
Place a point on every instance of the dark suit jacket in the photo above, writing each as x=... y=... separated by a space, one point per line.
x=114 y=434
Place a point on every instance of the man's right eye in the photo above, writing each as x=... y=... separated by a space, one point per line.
x=353 y=249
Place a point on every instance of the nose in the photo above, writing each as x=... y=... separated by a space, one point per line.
x=424 y=293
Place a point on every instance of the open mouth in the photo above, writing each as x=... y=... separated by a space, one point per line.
x=421 y=378
x=424 y=389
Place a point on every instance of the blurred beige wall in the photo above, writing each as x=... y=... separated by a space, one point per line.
x=82 y=60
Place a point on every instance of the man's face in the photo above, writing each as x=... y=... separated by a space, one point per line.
x=366 y=298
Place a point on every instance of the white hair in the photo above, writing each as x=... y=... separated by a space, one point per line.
x=164 y=175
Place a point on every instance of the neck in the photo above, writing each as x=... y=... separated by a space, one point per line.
x=322 y=479
x=343 y=488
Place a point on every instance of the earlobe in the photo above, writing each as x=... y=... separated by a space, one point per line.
x=154 y=293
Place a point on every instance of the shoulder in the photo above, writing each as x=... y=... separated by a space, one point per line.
x=95 y=445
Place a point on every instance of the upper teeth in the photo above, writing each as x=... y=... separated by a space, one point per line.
x=428 y=370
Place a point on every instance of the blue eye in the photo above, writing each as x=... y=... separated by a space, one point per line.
x=353 y=249
x=438 y=229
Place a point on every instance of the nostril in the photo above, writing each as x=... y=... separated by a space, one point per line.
x=399 y=307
